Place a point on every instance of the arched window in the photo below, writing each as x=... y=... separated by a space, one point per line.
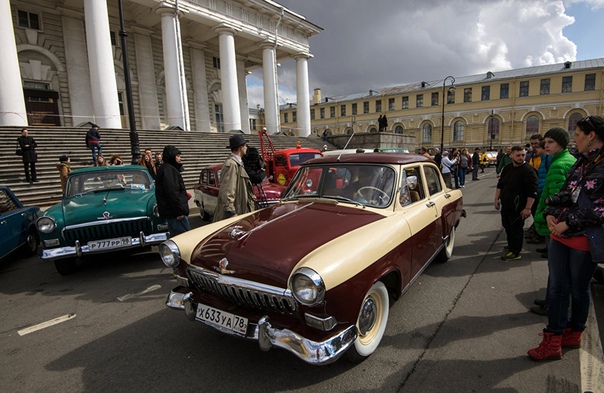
x=348 y=131
x=458 y=129
x=373 y=129
x=427 y=133
x=493 y=129
x=532 y=126
x=398 y=129
x=572 y=123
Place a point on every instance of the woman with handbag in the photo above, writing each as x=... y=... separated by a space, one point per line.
x=574 y=216
x=28 y=145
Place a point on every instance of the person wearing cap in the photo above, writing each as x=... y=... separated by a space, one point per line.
x=93 y=142
x=555 y=145
x=236 y=195
x=171 y=193
x=574 y=218
x=64 y=170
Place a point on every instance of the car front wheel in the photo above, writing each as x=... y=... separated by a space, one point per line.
x=31 y=243
x=65 y=266
x=371 y=323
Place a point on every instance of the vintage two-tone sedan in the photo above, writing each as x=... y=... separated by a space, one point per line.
x=315 y=274
x=103 y=209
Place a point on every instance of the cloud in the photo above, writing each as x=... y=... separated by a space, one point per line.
x=375 y=44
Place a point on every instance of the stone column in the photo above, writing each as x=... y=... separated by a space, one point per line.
x=78 y=71
x=102 y=71
x=302 y=94
x=243 y=103
x=12 y=103
x=147 y=86
x=271 y=105
x=228 y=79
x=176 y=92
x=200 y=87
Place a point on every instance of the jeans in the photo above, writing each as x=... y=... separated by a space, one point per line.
x=462 y=176
x=455 y=174
x=570 y=272
x=176 y=226
x=92 y=146
x=514 y=229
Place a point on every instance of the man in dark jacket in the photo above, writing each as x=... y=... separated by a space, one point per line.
x=93 y=142
x=28 y=145
x=171 y=194
x=515 y=194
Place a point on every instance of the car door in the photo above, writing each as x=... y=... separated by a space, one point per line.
x=422 y=216
x=12 y=216
x=442 y=200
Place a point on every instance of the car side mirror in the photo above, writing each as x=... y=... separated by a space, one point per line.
x=412 y=182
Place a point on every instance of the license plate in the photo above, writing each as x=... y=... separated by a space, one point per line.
x=222 y=319
x=110 y=243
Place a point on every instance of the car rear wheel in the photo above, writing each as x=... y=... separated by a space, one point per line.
x=371 y=323
x=447 y=250
x=31 y=243
x=65 y=266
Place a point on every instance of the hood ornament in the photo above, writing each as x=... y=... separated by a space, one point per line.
x=222 y=267
x=106 y=216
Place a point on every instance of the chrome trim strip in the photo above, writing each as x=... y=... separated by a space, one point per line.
x=79 y=250
x=238 y=282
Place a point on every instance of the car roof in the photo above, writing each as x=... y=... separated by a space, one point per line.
x=371 y=158
x=107 y=168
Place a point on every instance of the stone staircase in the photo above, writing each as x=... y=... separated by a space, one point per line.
x=198 y=150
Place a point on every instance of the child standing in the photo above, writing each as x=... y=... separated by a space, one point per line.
x=64 y=169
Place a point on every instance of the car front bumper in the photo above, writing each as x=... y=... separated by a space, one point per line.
x=78 y=250
x=313 y=352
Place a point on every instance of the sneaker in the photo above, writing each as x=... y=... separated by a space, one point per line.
x=539 y=310
x=511 y=256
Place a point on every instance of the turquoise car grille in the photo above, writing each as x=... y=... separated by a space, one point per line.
x=107 y=230
x=242 y=292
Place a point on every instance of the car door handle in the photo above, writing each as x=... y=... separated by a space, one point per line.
x=3 y=223
x=447 y=196
x=430 y=204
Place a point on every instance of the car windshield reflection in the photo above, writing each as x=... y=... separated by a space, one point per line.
x=368 y=185
x=106 y=181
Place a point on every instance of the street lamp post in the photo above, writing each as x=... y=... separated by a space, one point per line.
x=442 y=118
x=491 y=130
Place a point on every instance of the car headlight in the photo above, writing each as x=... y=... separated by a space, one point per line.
x=307 y=287
x=156 y=210
x=46 y=224
x=169 y=253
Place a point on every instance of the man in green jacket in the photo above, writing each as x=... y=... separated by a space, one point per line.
x=505 y=160
x=556 y=140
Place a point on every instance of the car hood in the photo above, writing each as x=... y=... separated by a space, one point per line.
x=105 y=205
x=266 y=245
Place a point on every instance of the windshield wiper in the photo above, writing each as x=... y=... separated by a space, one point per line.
x=343 y=198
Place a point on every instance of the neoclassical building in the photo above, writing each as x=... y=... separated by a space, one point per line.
x=488 y=110
x=62 y=62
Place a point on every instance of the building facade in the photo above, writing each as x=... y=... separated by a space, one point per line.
x=489 y=110
x=63 y=62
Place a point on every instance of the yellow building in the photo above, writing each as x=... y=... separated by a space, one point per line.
x=488 y=110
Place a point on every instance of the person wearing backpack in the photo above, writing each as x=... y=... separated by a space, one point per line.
x=93 y=142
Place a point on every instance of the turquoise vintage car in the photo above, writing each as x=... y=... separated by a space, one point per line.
x=17 y=225
x=103 y=209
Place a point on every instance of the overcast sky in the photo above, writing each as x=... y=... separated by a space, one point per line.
x=372 y=44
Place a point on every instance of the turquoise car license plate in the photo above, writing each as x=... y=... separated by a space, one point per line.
x=108 y=244
x=222 y=319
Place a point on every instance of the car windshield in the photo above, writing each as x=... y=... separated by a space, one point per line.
x=94 y=181
x=369 y=185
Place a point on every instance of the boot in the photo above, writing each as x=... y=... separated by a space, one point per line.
x=571 y=338
x=549 y=349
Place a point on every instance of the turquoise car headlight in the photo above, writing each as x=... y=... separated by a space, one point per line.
x=169 y=253
x=307 y=287
x=46 y=224
x=156 y=210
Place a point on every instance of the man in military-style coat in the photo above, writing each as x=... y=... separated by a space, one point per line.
x=28 y=145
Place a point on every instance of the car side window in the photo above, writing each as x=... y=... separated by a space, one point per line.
x=433 y=180
x=415 y=183
x=6 y=203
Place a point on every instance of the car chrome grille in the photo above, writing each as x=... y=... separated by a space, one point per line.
x=243 y=292
x=107 y=230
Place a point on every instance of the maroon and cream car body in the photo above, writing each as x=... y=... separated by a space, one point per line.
x=315 y=273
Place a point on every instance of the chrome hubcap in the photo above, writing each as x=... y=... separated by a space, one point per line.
x=368 y=316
